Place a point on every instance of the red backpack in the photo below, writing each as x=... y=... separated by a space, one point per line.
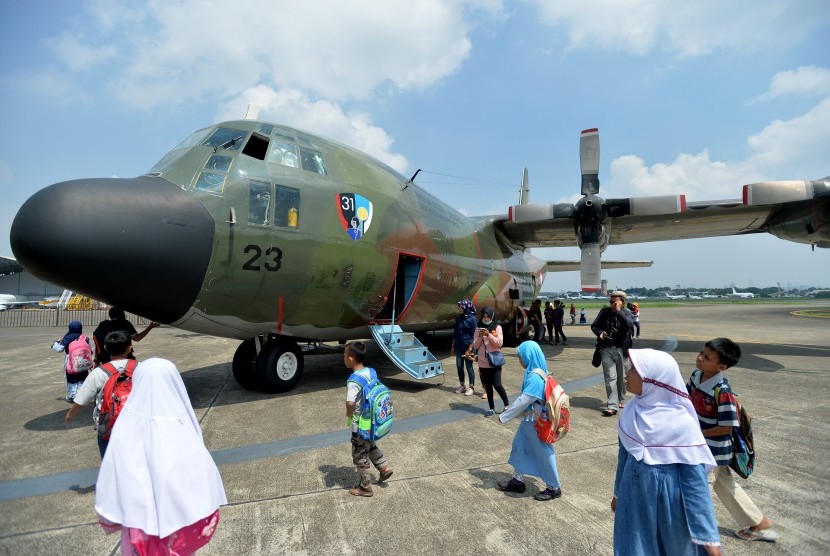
x=555 y=420
x=116 y=390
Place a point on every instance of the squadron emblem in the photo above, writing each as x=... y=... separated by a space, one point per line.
x=355 y=214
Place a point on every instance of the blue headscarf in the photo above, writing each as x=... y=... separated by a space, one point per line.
x=75 y=329
x=533 y=358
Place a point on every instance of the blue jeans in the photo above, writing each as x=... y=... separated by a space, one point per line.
x=460 y=362
x=102 y=445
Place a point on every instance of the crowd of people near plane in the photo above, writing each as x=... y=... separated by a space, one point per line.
x=159 y=487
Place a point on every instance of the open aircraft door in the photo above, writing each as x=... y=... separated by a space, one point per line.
x=403 y=348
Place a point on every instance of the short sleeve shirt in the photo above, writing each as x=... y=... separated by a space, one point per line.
x=711 y=413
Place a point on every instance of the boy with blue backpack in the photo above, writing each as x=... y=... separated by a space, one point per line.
x=718 y=412
x=369 y=413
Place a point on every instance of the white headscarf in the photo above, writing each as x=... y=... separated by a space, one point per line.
x=157 y=475
x=660 y=425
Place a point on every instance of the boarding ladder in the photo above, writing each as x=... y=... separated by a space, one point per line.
x=406 y=351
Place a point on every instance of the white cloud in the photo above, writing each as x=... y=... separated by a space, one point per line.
x=684 y=28
x=695 y=175
x=178 y=51
x=796 y=147
x=294 y=108
x=783 y=150
x=806 y=80
x=77 y=55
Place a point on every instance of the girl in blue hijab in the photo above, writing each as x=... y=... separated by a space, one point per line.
x=529 y=455
x=73 y=380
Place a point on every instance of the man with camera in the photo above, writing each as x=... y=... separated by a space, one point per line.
x=613 y=327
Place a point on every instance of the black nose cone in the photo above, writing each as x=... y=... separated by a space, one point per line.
x=143 y=244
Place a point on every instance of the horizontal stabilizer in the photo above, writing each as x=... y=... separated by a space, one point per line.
x=568 y=266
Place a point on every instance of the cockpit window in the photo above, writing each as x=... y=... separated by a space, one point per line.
x=282 y=153
x=218 y=163
x=195 y=138
x=256 y=147
x=211 y=182
x=284 y=135
x=212 y=177
x=265 y=129
x=226 y=138
x=305 y=141
x=312 y=161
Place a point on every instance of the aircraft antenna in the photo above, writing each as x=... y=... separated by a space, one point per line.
x=412 y=179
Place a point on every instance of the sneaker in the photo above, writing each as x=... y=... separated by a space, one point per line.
x=484 y=395
x=489 y=413
x=748 y=534
x=461 y=389
x=548 y=494
x=513 y=485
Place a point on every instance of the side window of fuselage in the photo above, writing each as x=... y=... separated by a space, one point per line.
x=287 y=207
x=259 y=202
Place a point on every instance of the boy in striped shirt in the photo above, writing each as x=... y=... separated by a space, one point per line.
x=717 y=419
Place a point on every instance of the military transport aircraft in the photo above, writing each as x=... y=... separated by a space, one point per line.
x=277 y=237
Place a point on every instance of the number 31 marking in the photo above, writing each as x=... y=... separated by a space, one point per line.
x=273 y=258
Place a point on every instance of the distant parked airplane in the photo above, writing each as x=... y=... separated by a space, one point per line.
x=678 y=296
x=741 y=295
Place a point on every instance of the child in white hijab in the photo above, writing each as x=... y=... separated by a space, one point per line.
x=158 y=482
x=661 y=498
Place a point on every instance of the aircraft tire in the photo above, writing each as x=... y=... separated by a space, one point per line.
x=244 y=365
x=279 y=366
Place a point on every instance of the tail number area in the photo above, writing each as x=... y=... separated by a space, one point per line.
x=271 y=259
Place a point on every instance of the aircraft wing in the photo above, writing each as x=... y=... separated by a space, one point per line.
x=567 y=266
x=703 y=219
x=8 y=265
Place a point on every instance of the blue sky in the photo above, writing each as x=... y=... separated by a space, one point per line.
x=697 y=98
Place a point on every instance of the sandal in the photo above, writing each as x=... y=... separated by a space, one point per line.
x=385 y=473
x=609 y=412
x=361 y=490
x=748 y=534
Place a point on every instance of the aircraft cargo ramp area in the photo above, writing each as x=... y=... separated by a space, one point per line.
x=286 y=463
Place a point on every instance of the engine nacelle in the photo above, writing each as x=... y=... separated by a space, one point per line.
x=777 y=192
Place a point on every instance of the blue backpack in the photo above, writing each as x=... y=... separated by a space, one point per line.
x=376 y=413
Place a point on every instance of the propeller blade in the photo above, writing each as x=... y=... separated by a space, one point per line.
x=589 y=161
x=524 y=193
x=590 y=266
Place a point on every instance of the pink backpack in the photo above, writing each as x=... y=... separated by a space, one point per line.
x=78 y=356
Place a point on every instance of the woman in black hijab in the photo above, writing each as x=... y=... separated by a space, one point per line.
x=489 y=338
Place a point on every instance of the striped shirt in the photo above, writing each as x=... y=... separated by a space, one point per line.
x=710 y=413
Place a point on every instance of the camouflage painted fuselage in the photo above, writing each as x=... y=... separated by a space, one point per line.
x=321 y=263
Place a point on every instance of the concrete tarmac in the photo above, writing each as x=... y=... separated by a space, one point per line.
x=286 y=464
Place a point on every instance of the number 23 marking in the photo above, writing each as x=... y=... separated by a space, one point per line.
x=273 y=258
